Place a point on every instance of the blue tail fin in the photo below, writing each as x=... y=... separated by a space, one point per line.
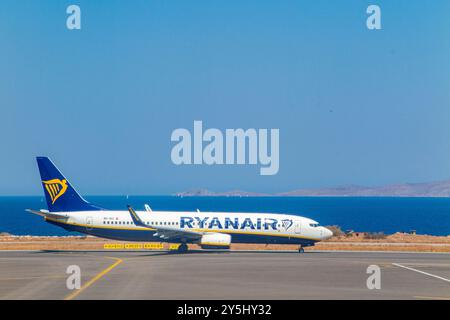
x=60 y=195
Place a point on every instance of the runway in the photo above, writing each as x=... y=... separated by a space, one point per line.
x=226 y=275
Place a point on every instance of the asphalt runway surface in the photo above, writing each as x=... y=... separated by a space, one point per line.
x=224 y=275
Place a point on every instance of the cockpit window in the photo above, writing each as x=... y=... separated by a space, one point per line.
x=314 y=225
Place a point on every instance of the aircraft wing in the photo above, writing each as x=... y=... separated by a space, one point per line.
x=46 y=214
x=164 y=232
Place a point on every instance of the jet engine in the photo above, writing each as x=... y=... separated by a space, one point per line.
x=215 y=241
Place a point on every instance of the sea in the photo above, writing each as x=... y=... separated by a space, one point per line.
x=369 y=214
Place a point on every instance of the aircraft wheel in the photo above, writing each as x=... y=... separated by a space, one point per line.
x=301 y=250
x=183 y=248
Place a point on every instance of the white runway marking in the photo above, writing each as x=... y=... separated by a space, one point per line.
x=423 y=272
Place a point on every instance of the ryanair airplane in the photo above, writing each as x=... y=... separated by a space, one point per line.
x=211 y=230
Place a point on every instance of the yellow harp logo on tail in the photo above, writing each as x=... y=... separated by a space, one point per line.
x=55 y=188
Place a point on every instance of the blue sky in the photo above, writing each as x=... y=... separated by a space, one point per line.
x=353 y=106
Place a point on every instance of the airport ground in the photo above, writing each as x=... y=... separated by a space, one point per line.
x=354 y=242
x=412 y=267
x=223 y=275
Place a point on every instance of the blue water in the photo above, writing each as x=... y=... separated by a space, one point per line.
x=389 y=215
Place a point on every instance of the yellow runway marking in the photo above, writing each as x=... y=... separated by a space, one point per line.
x=94 y=279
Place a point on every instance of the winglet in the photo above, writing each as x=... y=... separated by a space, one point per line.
x=137 y=221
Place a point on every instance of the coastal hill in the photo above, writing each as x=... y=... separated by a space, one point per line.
x=432 y=189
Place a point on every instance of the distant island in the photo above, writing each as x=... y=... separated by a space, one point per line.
x=432 y=189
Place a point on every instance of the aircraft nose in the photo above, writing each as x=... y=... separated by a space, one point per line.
x=327 y=233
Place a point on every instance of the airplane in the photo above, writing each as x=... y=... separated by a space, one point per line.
x=210 y=230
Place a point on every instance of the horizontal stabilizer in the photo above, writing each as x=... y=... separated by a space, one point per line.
x=47 y=214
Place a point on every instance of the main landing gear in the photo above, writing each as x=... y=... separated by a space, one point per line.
x=301 y=250
x=182 y=248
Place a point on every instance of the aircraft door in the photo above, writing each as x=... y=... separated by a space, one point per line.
x=298 y=227
x=89 y=223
